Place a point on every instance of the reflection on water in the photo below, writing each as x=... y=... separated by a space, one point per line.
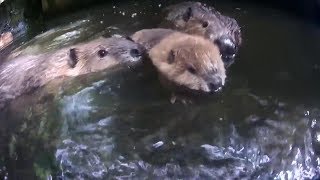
x=198 y=141
x=264 y=125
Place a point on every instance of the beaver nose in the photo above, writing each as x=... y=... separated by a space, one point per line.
x=227 y=48
x=216 y=84
x=135 y=53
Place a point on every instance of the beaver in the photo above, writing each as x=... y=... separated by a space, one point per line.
x=184 y=62
x=24 y=74
x=200 y=19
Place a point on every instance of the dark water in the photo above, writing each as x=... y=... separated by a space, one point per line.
x=264 y=125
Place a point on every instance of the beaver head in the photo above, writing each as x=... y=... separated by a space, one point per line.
x=24 y=74
x=103 y=53
x=189 y=61
x=197 y=18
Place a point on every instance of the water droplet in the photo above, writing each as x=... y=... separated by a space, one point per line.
x=307 y=113
x=158 y=144
x=133 y=15
x=318 y=136
x=313 y=123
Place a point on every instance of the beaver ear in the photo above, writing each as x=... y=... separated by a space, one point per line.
x=73 y=57
x=187 y=15
x=171 y=57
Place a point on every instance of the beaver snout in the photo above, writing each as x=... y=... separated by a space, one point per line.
x=215 y=84
x=227 y=48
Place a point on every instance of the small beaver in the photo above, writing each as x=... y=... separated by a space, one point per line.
x=200 y=19
x=185 y=62
x=24 y=74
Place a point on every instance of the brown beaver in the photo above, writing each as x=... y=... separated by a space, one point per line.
x=200 y=19
x=182 y=60
x=23 y=74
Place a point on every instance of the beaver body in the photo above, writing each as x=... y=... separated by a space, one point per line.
x=24 y=74
x=199 y=19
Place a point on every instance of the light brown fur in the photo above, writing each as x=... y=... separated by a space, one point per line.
x=5 y=39
x=187 y=52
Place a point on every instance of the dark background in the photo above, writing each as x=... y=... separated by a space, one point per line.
x=33 y=8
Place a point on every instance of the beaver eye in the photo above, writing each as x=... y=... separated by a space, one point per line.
x=135 y=53
x=191 y=69
x=205 y=24
x=102 y=53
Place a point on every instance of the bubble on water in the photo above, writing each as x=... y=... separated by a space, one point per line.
x=306 y=113
x=133 y=15
x=105 y=122
x=313 y=123
x=158 y=144
x=78 y=161
x=217 y=153
x=122 y=13
x=253 y=119
x=318 y=136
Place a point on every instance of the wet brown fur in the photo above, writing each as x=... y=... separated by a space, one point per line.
x=5 y=39
x=26 y=73
x=200 y=19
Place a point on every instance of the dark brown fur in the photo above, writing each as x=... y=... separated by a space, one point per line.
x=185 y=16
x=199 y=19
